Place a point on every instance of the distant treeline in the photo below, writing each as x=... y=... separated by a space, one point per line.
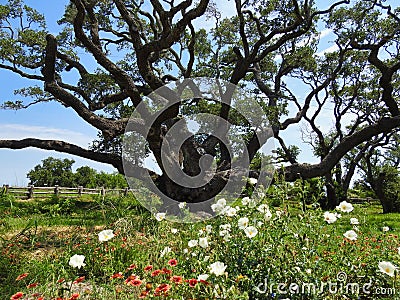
x=53 y=171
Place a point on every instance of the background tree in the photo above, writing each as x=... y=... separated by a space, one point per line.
x=86 y=176
x=379 y=168
x=52 y=172
x=354 y=95
x=266 y=47
x=111 y=181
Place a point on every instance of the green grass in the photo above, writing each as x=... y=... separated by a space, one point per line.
x=38 y=237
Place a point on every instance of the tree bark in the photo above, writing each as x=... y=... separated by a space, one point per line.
x=387 y=203
x=331 y=195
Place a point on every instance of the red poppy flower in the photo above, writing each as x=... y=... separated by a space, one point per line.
x=172 y=262
x=133 y=280
x=117 y=275
x=130 y=279
x=74 y=296
x=136 y=282
x=192 y=282
x=148 y=268
x=22 y=276
x=166 y=271
x=155 y=273
x=162 y=288
x=131 y=267
x=80 y=279
x=61 y=280
x=176 y=279
x=17 y=295
x=32 y=285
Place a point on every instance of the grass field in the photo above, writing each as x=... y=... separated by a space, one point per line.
x=251 y=252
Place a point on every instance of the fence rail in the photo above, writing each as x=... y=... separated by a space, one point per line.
x=31 y=191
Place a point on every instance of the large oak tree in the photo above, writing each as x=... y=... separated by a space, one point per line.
x=269 y=47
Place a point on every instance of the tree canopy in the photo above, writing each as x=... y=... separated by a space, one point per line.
x=270 y=48
x=54 y=171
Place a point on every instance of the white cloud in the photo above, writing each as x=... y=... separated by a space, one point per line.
x=324 y=33
x=22 y=131
x=330 y=49
x=15 y=164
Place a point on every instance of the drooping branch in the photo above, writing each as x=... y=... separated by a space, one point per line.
x=295 y=171
x=64 y=147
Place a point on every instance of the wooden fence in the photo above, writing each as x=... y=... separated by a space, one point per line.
x=363 y=200
x=45 y=192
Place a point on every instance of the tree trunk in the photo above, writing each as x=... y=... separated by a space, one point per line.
x=387 y=205
x=332 y=199
x=386 y=202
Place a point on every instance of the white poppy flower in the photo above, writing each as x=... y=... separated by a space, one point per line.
x=330 y=217
x=160 y=216
x=203 y=242
x=344 y=206
x=106 y=235
x=250 y=231
x=351 y=235
x=76 y=261
x=354 y=221
x=243 y=222
x=217 y=268
x=387 y=267
x=202 y=277
x=253 y=181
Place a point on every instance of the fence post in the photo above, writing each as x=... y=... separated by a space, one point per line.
x=80 y=190
x=6 y=186
x=30 y=192
x=103 y=191
x=56 y=190
x=126 y=191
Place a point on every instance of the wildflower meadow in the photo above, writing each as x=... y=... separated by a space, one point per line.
x=112 y=248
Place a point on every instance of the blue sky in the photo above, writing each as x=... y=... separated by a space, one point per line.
x=53 y=121
x=44 y=121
